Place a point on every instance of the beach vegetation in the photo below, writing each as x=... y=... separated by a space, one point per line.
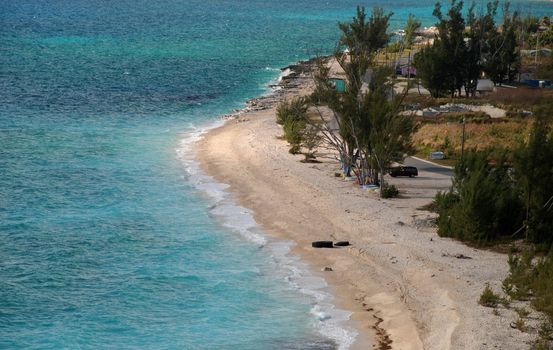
x=311 y=140
x=295 y=109
x=488 y=298
x=293 y=133
x=500 y=194
x=531 y=278
x=363 y=125
x=389 y=191
x=533 y=163
x=544 y=336
x=292 y=116
x=520 y=324
x=483 y=205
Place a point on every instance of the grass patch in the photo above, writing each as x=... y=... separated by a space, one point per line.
x=447 y=137
x=488 y=298
x=520 y=324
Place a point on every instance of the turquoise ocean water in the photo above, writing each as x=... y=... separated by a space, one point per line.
x=110 y=237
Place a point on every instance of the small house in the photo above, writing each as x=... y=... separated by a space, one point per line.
x=339 y=84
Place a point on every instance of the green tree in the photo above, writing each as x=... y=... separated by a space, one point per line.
x=411 y=27
x=481 y=28
x=371 y=133
x=432 y=70
x=386 y=133
x=501 y=60
x=362 y=37
x=366 y=36
x=441 y=67
x=534 y=171
x=483 y=205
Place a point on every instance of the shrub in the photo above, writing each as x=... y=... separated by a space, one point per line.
x=488 y=298
x=520 y=325
x=292 y=116
x=483 y=204
x=389 y=191
x=310 y=141
x=517 y=284
x=531 y=277
x=293 y=132
x=522 y=312
x=444 y=201
x=295 y=109
x=533 y=163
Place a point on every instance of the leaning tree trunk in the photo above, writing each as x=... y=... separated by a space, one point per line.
x=381 y=171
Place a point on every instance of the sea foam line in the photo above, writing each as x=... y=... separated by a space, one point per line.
x=328 y=320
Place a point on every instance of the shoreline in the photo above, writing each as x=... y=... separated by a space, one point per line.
x=332 y=323
x=402 y=282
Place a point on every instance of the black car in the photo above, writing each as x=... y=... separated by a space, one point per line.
x=410 y=171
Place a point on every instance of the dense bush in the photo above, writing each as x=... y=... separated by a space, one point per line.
x=292 y=116
x=483 y=204
x=389 y=191
x=534 y=172
x=293 y=132
x=497 y=195
x=294 y=109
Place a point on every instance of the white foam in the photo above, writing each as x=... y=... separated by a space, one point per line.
x=284 y=73
x=328 y=320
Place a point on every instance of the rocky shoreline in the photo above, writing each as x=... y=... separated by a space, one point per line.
x=293 y=78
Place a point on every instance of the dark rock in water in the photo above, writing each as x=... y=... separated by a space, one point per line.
x=341 y=244
x=322 y=244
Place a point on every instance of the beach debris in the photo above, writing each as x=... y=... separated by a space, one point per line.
x=458 y=256
x=322 y=244
x=341 y=244
x=462 y=256
x=400 y=223
x=326 y=268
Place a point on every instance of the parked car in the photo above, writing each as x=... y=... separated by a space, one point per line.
x=410 y=171
x=437 y=155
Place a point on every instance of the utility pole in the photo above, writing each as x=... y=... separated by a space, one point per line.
x=408 y=69
x=463 y=141
x=537 y=48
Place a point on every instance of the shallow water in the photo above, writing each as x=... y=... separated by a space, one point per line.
x=109 y=235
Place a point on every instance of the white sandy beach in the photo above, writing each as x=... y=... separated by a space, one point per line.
x=404 y=284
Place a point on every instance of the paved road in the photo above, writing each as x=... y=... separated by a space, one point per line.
x=422 y=189
x=424 y=166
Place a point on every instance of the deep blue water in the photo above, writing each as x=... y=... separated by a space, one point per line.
x=106 y=241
